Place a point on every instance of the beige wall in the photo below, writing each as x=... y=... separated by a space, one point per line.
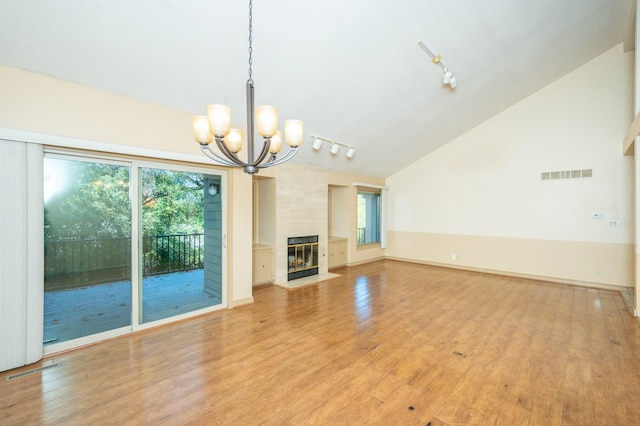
x=481 y=196
x=37 y=103
x=575 y=262
x=265 y=219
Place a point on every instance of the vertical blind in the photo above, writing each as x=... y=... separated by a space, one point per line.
x=21 y=254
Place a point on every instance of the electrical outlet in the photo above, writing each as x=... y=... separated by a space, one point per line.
x=615 y=222
x=454 y=256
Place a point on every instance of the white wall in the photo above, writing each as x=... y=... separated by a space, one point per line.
x=486 y=184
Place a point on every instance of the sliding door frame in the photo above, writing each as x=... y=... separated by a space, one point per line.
x=135 y=165
x=136 y=243
x=131 y=154
x=92 y=338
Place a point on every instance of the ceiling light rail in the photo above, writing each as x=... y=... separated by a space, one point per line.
x=335 y=145
x=447 y=75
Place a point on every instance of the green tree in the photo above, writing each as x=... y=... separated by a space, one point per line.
x=172 y=202
x=93 y=204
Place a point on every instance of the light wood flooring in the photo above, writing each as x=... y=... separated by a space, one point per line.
x=386 y=343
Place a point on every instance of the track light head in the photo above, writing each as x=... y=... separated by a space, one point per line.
x=350 y=152
x=335 y=148
x=317 y=143
x=446 y=78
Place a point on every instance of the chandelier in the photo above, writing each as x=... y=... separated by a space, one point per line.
x=216 y=126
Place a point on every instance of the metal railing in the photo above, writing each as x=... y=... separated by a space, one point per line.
x=163 y=254
x=76 y=263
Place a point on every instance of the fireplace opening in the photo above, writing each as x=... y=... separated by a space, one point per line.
x=302 y=257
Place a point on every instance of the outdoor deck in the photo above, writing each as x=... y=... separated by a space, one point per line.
x=70 y=314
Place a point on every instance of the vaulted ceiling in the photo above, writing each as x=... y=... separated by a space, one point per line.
x=351 y=70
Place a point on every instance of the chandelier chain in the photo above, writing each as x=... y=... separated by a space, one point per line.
x=250 y=40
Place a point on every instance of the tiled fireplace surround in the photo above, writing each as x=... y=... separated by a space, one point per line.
x=301 y=209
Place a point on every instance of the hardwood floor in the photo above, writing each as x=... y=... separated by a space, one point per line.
x=386 y=343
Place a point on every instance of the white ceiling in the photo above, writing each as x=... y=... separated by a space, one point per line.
x=351 y=70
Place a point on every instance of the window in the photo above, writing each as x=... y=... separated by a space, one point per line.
x=368 y=217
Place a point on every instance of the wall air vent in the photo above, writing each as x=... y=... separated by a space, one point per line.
x=567 y=174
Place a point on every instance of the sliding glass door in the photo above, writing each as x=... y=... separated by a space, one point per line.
x=128 y=244
x=181 y=243
x=87 y=240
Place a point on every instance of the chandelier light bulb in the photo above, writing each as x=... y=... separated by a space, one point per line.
x=276 y=143
x=201 y=130
x=267 y=120
x=293 y=132
x=234 y=140
x=453 y=82
x=219 y=119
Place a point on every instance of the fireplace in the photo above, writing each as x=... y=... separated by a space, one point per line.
x=302 y=257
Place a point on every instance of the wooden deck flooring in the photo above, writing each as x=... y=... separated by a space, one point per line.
x=386 y=343
x=80 y=312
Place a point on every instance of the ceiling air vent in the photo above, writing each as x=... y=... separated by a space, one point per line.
x=567 y=174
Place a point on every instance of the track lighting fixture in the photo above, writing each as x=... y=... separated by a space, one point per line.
x=447 y=76
x=335 y=146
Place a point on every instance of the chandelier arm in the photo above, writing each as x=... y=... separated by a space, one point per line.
x=215 y=157
x=264 y=152
x=230 y=155
x=288 y=156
